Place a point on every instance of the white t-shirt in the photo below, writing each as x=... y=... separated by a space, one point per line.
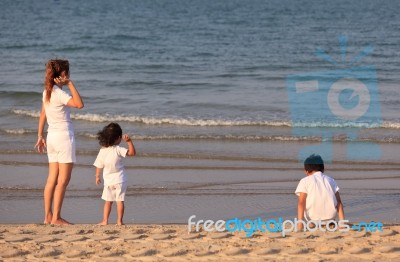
x=321 y=200
x=110 y=159
x=57 y=111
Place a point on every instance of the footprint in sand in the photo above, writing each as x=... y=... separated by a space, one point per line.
x=191 y=236
x=331 y=236
x=111 y=232
x=27 y=232
x=49 y=252
x=324 y=250
x=101 y=238
x=219 y=235
x=298 y=251
x=268 y=251
x=56 y=232
x=128 y=237
x=208 y=250
x=304 y=235
x=389 y=249
x=84 y=232
x=387 y=233
x=204 y=253
x=234 y=251
x=163 y=231
x=141 y=231
x=13 y=253
x=107 y=253
x=46 y=239
x=360 y=234
x=161 y=236
x=73 y=238
x=175 y=252
x=17 y=239
x=358 y=250
x=244 y=236
x=275 y=236
x=145 y=253
x=73 y=253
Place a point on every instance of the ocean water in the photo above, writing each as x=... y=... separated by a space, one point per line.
x=201 y=86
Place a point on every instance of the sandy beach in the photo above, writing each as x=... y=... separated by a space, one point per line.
x=223 y=99
x=153 y=242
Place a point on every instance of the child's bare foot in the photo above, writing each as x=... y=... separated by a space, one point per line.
x=103 y=223
x=60 y=221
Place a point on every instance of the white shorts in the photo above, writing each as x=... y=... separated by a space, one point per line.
x=114 y=192
x=61 y=147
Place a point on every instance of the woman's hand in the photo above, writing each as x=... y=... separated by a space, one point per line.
x=40 y=144
x=61 y=80
x=98 y=180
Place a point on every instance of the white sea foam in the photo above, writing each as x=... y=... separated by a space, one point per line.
x=30 y=113
x=225 y=137
x=211 y=122
x=19 y=131
x=176 y=121
x=391 y=125
x=160 y=121
x=252 y=138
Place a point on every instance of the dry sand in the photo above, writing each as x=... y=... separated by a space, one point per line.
x=173 y=243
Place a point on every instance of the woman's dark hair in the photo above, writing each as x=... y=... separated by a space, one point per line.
x=314 y=163
x=109 y=135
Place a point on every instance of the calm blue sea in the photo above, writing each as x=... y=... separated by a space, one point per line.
x=202 y=88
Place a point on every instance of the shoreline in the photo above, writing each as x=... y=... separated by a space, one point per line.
x=163 y=196
x=172 y=242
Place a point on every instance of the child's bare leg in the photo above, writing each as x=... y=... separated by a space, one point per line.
x=121 y=209
x=49 y=192
x=64 y=177
x=106 y=213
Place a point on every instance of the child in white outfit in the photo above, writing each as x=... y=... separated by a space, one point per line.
x=109 y=160
x=319 y=197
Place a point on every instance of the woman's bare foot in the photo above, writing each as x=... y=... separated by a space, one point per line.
x=120 y=224
x=60 y=221
x=48 y=218
x=102 y=223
